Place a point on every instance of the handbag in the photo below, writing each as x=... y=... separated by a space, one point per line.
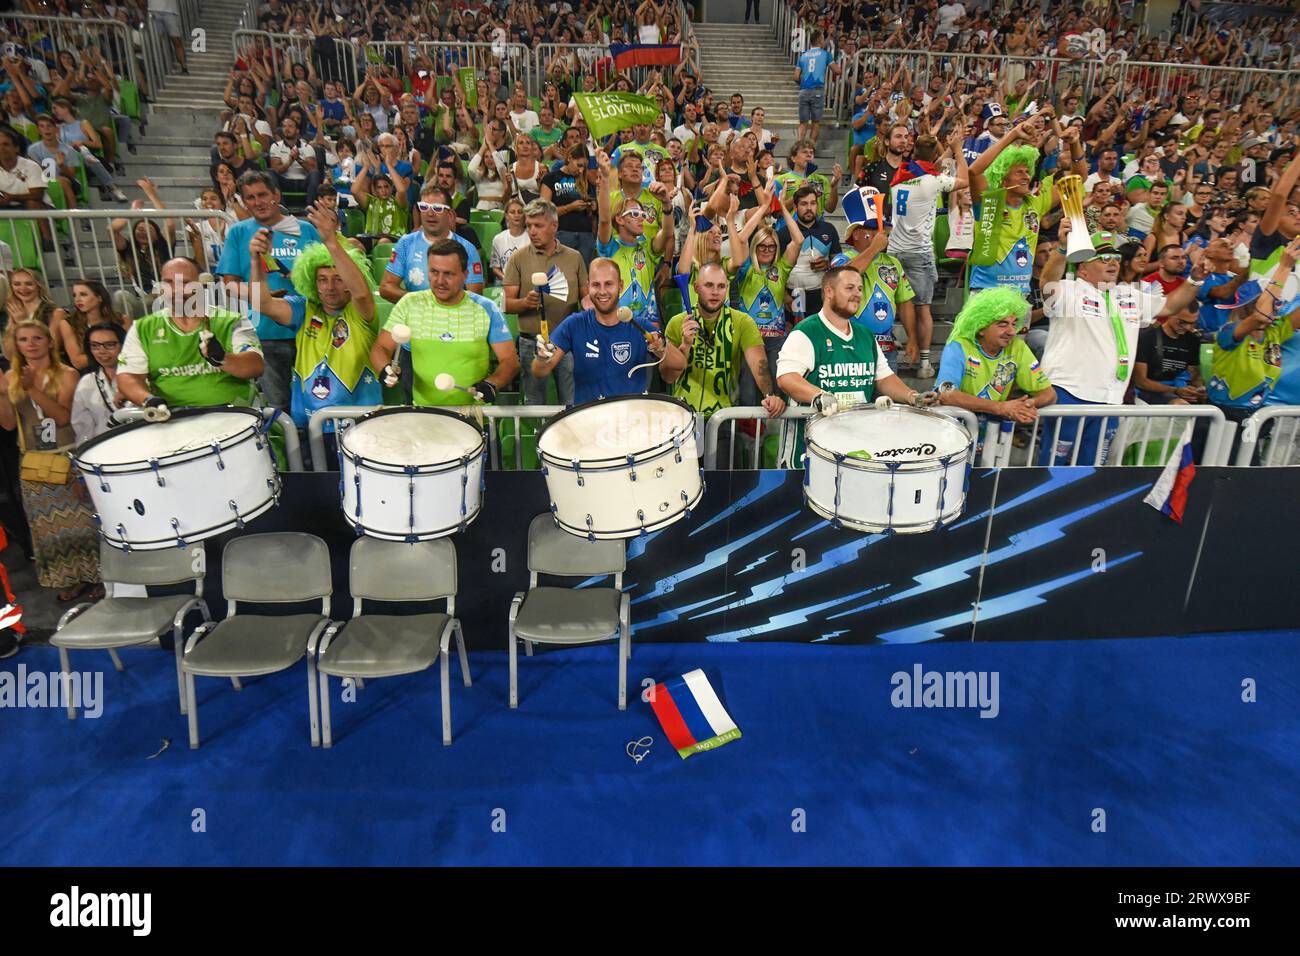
x=47 y=467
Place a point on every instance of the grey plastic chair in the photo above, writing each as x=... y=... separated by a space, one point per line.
x=134 y=621
x=388 y=645
x=280 y=568
x=548 y=615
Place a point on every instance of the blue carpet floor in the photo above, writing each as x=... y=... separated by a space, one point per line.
x=1153 y=732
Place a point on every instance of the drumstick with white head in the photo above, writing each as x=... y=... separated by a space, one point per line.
x=401 y=336
x=539 y=283
x=446 y=382
x=625 y=315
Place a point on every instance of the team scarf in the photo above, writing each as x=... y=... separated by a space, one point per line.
x=913 y=169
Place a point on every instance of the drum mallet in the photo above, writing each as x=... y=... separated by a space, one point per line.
x=625 y=315
x=401 y=335
x=446 y=382
x=540 y=283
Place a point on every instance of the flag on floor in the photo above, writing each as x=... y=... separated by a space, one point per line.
x=610 y=112
x=1169 y=494
x=691 y=714
x=629 y=55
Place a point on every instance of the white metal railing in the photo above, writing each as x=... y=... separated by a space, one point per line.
x=489 y=415
x=728 y=418
x=75 y=34
x=1276 y=445
x=292 y=444
x=1119 y=428
x=91 y=254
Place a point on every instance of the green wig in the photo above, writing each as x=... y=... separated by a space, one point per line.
x=1019 y=155
x=315 y=257
x=984 y=308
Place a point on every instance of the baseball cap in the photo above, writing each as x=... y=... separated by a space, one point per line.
x=840 y=259
x=1106 y=243
x=1247 y=293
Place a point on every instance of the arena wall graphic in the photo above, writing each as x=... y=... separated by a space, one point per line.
x=1040 y=554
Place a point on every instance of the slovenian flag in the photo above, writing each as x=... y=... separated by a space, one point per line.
x=1169 y=494
x=629 y=55
x=864 y=205
x=691 y=714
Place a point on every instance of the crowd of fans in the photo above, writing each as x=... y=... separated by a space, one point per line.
x=701 y=254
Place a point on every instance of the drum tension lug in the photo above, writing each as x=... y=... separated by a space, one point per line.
x=631 y=466
x=153 y=463
x=591 y=536
x=103 y=485
x=95 y=518
x=577 y=470
x=239 y=519
x=640 y=515
x=121 y=534
x=216 y=450
x=176 y=526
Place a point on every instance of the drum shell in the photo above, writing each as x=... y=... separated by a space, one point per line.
x=205 y=491
x=411 y=503
x=883 y=495
x=610 y=497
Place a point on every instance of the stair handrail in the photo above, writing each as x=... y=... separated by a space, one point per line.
x=81 y=24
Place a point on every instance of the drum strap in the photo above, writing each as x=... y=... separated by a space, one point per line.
x=105 y=395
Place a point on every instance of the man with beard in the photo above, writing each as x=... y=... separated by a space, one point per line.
x=1092 y=343
x=821 y=243
x=605 y=348
x=880 y=174
x=829 y=360
x=711 y=348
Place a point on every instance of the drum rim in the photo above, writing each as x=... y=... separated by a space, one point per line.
x=388 y=467
x=878 y=464
x=361 y=529
x=188 y=411
x=632 y=532
x=853 y=524
x=209 y=532
x=551 y=458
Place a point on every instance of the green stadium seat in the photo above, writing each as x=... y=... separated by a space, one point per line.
x=486 y=232
x=130 y=98
x=379 y=256
x=356 y=221
x=24 y=240
x=487 y=215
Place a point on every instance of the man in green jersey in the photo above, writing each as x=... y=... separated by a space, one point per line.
x=984 y=361
x=829 y=360
x=803 y=172
x=186 y=353
x=713 y=345
x=623 y=234
x=631 y=172
x=453 y=332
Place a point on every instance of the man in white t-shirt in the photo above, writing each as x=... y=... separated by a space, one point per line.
x=1092 y=342
x=293 y=161
x=914 y=197
x=524 y=118
x=949 y=14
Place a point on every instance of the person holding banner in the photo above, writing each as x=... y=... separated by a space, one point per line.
x=1008 y=214
x=622 y=235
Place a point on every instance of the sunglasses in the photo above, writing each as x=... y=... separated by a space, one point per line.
x=432 y=207
x=638 y=215
x=1107 y=257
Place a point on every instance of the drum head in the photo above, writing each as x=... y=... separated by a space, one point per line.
x=188 y=431
x=409 y=437
x=612 y=429
x=888 y=435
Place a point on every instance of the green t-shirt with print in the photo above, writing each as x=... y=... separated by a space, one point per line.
x=991 y=376
x=712 y=376
x=177 y=371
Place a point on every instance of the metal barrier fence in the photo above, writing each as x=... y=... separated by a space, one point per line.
x=54 y=35
x=757 y=453
x=91 y=253
x=1127 y=435
x=1273 y=433
x=519 y=458
x=1144 y=435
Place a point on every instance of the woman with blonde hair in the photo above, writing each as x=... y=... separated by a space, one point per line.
x=91 y=305
x=36 y=400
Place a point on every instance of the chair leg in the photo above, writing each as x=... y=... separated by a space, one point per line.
x=528 y=648
x=445 y=669
x=514 y=670
x=64 y=670
x=358 y=683
x=624 y=645
x=234 y=682
x=327 y=735
x=179 y=645
x=193 y=708
x=311 y=700
x=464 y=658
x=117 y=661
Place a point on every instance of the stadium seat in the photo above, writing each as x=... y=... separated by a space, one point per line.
x=379 y=256
x=355 y=221
x=486 y=232
x=487 y=215
x=130 y=98
x=23 y=238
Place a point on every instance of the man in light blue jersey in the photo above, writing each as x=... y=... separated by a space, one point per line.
x=810 y=73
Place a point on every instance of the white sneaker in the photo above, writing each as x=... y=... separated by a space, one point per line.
x=925 y=369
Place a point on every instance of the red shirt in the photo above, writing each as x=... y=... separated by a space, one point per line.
x=1166 y=285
